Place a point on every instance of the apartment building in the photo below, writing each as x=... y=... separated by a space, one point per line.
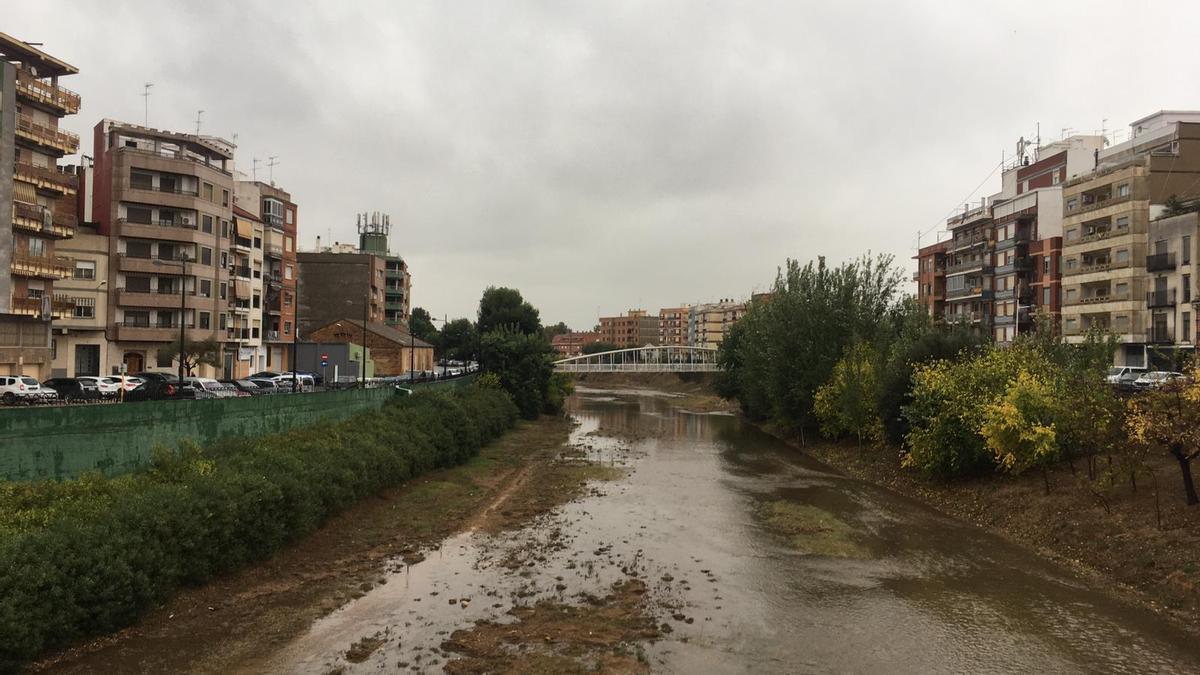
x=37 y=207
x=373 y=232
x=708 y=323
x=931 y=278
x=635 y=328
x=969 y=267
x=335 y=286
x=1170 y=284
x=673 y=325
x=1106 y=219
x=278 y=215
x=165 y=202
x=79 y=341
x=244 y=334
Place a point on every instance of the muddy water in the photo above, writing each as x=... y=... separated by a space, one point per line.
x=907 y=591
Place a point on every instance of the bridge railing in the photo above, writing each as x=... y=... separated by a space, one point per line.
x=648 y=359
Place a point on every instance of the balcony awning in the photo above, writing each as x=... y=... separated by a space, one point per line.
x=241 y=288
x=245 y=229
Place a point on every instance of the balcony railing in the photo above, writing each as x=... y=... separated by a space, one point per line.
x=35 y=218
x=50 y=137
x=1098 y=236
x=1098 y=204
x=971 y=291
x=274 y=250
x=42 y=266
x=39 y=90
x=960 y=243
x=168 y=189
x=46 y=178
x=966 y=317
x=1163 y=298
x=1021 y=237
x=1158 y=262
x=1160 y=335
x=967 y=266
x=1018 y=265
x=175 y=155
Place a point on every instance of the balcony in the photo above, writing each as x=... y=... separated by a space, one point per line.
x=1009 y=319
x=164 y=299
x=47 y=178
x=50 y=138
x=273 y=250
x=1162 y=298
x=968 y=266
x=966 y=317
x=147 y=186
x=969 y=292
x=966 y=242
x=1160 y=335
x=182 y=156
x=145 y=331
x=59 y=306
x=42 y=266
x=1021 y=237
x=184 y=231
x=273 y=335
x=1018 y=265
x=148 y=265
x=46 y=93
x=1095 y=204
x=240 y=271
x=1159 y=262
x=1099 y=235
x=37 y=219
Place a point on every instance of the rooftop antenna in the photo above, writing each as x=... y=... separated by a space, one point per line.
x=1104 y=131
x=199 y=115
x=271 y=162
x=254 y=167
x=146 y=103
x=1037 y=150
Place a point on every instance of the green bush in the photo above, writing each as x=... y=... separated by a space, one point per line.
x=87 y=556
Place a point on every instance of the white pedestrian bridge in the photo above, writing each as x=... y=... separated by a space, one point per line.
x=648 y=359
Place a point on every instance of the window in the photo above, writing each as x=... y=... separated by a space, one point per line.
x=1123 y=190
x=1186 y=319
x=287 y=272
x=1121 y=323
x=287 y=299
x=1186 y=251
x=1046 y=296
x=287 y=244
x=208 y=191
x=84 y=311
x=224 y=290
x=258 y=242
x=256 y=301
x=205 y=255
x=224 y=197
x=1072 y=234
x=1071 y=263
x=137 y=249
x=205 y=320
x=224 y=259
x=1122 y=255
x=137 y=284
x=224 y=228
x=1072 y=204
x=291 y=216
x=85 y=269
x=1056 y=178
x=287 y=327
x=224 y=321
x=1122 y=289
x=1070 y=295
x=206 y=223
x=138 y=214
x=1046 y=262
x=1122 y=222
x=1187 y=288
x=206 y=288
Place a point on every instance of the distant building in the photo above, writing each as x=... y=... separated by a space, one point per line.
x=931 y=279
x=632 y=329
x=37 y=205
x=274 y=208
x=673 y=325
x=393 y=352
x=708 y=323
x=338 y=285
x=572 y=344
x=373 y=232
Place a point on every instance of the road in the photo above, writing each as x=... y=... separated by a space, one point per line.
x=755 y=560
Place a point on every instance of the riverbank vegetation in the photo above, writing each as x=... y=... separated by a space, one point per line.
x=88 y=556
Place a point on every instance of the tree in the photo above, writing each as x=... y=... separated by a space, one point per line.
x=1169 y=419
x=1174 y=206
x=1020 y=427
x=421 y=325
x=910 y=351
x=846 y=404
x=505 y=308
x=195 y=353
x=459 y=341
x=523 y=363
x=597 y=347
x=559 y=328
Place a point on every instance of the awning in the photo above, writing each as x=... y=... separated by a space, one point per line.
x=24 y=192
x=241 y=288
x=245 y=229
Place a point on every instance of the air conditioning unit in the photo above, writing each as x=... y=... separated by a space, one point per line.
x=186 y=220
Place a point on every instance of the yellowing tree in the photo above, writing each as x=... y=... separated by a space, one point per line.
x=1169 y=419
x=1020 y=427
x=846 y=403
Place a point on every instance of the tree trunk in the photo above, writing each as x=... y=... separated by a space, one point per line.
x=1157 y=503
x=1046 y=479
x=1185 y=468
x=1070 y=460
x=1133 y=480
x=1091 y=462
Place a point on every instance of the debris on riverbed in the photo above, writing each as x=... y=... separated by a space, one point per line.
x=550 y=637
x=810 y=529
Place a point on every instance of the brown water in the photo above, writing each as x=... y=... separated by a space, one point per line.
x=922 y=594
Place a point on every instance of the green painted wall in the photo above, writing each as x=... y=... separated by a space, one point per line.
x=63 y=442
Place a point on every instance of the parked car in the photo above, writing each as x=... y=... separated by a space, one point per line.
x=206 y=387
x=1123 y=376
x=106 y=387
x=161 y=377
x=267 y=375
x=159 y=390
x=245 y=387
x=1156 y=379
x=16 y=389
x=72 y=389
x=131 y=381
x=266 y=386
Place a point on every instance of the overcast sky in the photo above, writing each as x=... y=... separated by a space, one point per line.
x=606 y=155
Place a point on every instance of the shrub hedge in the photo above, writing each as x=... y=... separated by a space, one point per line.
x=87 y=556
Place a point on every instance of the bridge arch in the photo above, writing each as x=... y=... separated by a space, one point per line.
x=648 y=359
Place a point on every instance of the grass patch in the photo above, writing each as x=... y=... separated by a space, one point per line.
x=810 y=529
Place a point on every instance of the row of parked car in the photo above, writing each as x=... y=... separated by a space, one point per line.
x=149 y=386
x=1128 y=378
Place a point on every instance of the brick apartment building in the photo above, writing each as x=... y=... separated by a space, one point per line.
x=633 y=329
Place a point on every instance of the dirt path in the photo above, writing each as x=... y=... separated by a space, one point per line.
x=232 y=623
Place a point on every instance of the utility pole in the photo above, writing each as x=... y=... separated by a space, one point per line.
x=366 y=309
x=146 y=103
x=296 y=335
x=199 y=115
x=182 y=308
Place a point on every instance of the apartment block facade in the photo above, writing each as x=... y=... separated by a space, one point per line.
x=708 y=323
x=635 y=328
x=1114 y=277
x=37 y=203
x=335 y=286
x=165 y=202
x=572 y=344
x=673 y=325
x=1171 y=282
x=931 y=278
x=373 y=232
x=278 y=216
